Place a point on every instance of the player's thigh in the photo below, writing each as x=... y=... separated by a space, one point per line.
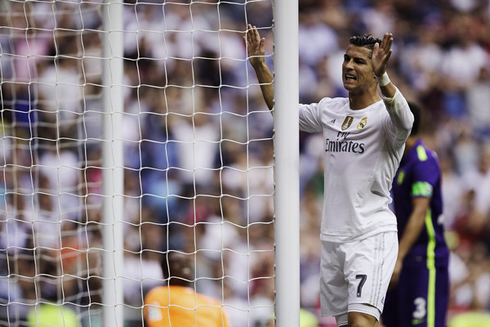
x=423 y=296
x=333 y=287
x=368 y=268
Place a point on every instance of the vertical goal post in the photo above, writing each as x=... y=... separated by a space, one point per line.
x=286 y=149
x=113 y=165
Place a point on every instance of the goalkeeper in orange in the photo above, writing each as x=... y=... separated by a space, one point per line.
x=178 y=304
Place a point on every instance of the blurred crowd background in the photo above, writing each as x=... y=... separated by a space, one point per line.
x=198 y=145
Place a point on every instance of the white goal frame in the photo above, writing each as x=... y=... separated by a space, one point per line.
x=286 y=165
x=113 y=163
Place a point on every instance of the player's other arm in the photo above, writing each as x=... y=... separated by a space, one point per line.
x=412 y=231
x=256 y=55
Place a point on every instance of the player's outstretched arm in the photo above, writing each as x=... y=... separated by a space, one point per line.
x=381 y=56
x=395 y=103
x=256 y=55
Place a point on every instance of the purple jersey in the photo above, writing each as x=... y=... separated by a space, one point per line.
x=419 y=175
x=421 y=295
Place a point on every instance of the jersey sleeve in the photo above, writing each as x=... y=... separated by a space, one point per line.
x=425 y=174
x=401 y=116
x=309 y=118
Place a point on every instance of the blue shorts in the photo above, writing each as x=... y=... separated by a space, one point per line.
x=420 y=298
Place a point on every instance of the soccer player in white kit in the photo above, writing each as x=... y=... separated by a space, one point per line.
x=364 y=139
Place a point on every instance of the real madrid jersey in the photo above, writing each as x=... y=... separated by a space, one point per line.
x=362 y=151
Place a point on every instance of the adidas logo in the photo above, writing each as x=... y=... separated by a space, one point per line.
x=331 y=122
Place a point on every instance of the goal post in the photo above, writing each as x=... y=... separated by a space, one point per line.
x=113 y=165
x=286 y=148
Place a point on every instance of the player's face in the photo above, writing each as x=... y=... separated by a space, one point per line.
x=357 y=72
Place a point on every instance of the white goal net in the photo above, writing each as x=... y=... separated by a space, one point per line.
x=197 y=158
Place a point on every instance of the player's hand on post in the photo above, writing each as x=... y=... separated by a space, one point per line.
x=255 y=46
x=381 y=55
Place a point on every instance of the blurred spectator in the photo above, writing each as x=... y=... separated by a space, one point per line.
x=316 y=40
x=476 y=95
x=477 y=180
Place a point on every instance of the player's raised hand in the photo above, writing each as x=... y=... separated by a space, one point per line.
x=381 y=55
x=255 y=46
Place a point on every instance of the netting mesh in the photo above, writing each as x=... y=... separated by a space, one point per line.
x=197 y=143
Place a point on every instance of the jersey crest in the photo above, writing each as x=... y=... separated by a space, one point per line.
x=347 y=122
x=362 y=123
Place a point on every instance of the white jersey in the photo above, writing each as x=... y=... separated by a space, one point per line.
x=363 y=149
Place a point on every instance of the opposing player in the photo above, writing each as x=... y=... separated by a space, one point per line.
x=178 y=304
x=364 y=137
x=419 y=290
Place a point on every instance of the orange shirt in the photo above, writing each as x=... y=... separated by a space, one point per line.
x=177 y=306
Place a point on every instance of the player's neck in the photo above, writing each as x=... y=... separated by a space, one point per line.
x=410 y=143
x=362 y=100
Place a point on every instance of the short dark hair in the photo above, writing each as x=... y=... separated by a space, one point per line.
x=364 y=40
x=416 y=111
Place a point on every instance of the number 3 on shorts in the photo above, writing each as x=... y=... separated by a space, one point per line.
x=362 y=278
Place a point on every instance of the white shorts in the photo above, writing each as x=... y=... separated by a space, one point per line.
x=355 y=275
